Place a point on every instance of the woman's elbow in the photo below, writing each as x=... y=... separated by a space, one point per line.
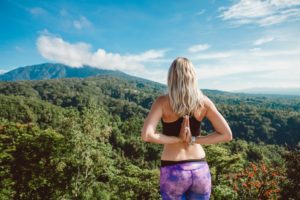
x=228 y=136
x=145 y=137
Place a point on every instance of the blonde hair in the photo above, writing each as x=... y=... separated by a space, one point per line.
x=185 y=96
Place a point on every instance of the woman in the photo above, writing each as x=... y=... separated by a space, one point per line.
x=184 y=172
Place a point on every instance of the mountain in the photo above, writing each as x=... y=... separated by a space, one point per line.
x=270 y=91
x=56 y=70
x=47 y=71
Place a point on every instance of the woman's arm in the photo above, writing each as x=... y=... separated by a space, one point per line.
x=148 y=132
x=222 y=131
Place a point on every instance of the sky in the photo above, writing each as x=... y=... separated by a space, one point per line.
x=233 y=45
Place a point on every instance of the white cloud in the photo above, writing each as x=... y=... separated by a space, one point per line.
x=250 y=68
x=263 y=40
x=227 y=70
x=261 y=12
x=255 y=49
x=289 y=14
x=247 y=9
x=198 y=47
x=44 y=32
x=78 y=54
x=212 y=56
x=82 y=22
x=285 y=3
x=37 y=10
x=158 y=75
x=214 y=71
x=208 y=71
x=2 y=71
x=291 y=52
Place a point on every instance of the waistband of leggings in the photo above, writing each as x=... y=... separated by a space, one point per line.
x=164 y=163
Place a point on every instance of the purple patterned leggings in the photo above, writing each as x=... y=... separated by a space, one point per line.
x=188 y=180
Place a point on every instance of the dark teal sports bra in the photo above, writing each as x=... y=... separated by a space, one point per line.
x=173 y=128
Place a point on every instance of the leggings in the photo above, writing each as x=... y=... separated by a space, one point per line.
x=185 y=180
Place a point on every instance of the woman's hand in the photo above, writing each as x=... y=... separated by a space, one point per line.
x=185 y=132
x=188 y=134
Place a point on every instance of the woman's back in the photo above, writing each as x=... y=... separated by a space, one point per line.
x=184 y=171
x=178 y=151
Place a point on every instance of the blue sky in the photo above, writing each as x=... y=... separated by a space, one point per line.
x=233 y=44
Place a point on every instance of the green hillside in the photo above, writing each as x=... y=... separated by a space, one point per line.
x=56 y=70
x=79 y=138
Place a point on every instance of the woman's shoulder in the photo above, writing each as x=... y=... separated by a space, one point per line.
x=164 y=98
x=208 y=103
x=161 y=99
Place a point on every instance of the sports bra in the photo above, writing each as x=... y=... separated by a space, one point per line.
x=173 y=128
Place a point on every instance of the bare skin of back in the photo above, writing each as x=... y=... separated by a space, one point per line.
x=178 y=151
x=176 y=148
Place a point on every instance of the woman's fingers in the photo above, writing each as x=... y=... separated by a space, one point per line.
x=187 y=128
x=188 y=137
x=189 y=132
x=182 y=131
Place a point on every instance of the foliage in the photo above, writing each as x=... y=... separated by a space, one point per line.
x=258 y=181
x=80 y=139
x=28 y=161
x=291 y=189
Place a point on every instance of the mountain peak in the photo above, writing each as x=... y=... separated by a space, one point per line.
x=55 y=70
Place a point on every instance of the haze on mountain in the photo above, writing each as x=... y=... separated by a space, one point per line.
x=56 y=70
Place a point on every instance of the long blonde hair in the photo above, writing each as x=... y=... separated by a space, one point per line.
x=185 y=96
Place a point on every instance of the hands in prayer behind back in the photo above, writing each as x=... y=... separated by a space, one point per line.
x=185 y=131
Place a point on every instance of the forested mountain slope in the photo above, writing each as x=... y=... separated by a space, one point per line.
x=79 y=138
x=273 y=120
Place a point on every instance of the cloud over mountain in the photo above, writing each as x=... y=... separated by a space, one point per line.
x=78 y=54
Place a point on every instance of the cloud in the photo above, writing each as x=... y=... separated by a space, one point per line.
x=44 y=32
x=82 y=22
x=37 y=10
x=208 y=71
x=250 y=68
x=291 y=52
x=255 y=50
x=263 y=40
x=78 y=54
x=226 y=70
x=261 y=12
x=199 y=47
x=212 y=56
x=2 y=71
x=158 y=75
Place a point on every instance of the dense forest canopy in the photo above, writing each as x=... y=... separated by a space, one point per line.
x=79 y=138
